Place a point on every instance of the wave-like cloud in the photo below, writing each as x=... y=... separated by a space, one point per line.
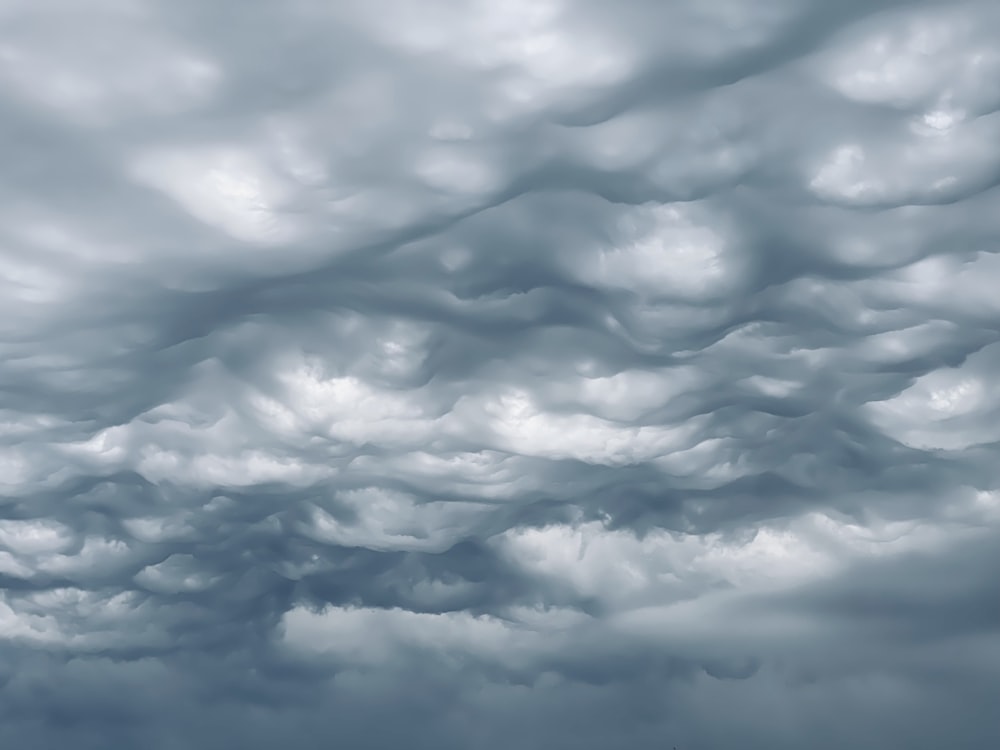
x=476 y=374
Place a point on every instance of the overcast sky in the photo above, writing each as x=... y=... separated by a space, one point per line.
x=493 y=374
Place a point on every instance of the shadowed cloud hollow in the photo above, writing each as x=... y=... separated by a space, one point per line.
x=467 y=374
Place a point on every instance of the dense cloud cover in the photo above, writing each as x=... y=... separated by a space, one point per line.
x=499 y=373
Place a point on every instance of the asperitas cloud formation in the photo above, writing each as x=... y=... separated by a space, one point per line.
x=499 y=374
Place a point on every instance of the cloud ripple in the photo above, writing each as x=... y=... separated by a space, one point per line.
x=551 y=374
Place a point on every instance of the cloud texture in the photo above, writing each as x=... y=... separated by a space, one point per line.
x=476 y=374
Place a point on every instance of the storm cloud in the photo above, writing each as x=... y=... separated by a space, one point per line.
x=490 y=374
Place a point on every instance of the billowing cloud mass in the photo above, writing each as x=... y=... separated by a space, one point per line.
x=499 y=374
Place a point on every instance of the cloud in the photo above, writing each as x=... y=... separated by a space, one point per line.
x=475 y=374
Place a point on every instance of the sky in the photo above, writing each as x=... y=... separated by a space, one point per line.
x=480 y=374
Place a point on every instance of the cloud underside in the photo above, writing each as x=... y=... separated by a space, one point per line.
x=473 y=374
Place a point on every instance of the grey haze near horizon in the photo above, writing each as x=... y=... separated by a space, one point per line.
x=481 y=374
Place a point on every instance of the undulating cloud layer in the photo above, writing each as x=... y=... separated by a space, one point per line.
x=499 y=374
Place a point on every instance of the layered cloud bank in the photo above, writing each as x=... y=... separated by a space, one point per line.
x=471 y=374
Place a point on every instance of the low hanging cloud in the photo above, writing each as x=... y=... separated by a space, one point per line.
x=550 y=373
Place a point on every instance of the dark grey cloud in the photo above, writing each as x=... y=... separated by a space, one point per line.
x=472 y=374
